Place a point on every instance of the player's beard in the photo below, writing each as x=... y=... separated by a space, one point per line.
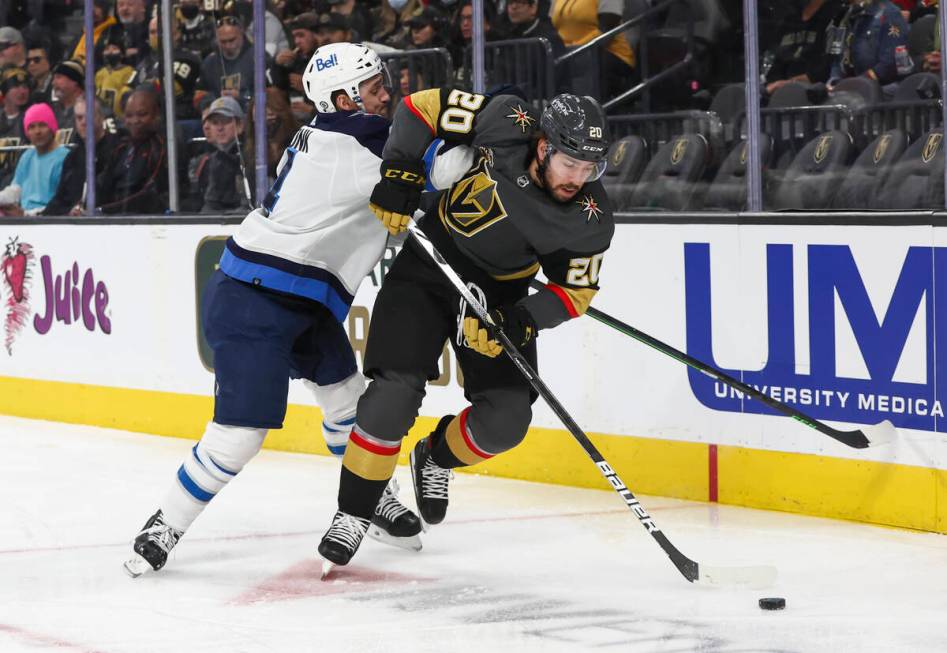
x=556 y=191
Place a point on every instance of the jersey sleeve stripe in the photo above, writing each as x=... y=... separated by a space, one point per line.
x=576 y=300
x=426 y=105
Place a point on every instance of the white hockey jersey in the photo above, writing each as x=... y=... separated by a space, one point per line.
x=315 y=236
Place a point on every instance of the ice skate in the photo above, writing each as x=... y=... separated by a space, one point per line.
x=430 y=484
x=342 y=540
x=152 y=546
x=394 y=524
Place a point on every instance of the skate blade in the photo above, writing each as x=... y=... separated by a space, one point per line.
x=327 y=567
x=412 y=543
x=136 y=566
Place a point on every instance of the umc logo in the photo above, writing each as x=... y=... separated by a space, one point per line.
x=836 y=294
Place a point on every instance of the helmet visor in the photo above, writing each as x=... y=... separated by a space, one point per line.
x=574 y=170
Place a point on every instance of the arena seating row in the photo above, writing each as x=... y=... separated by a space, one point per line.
x=829 y=172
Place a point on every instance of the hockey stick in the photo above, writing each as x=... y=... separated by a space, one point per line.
x=867 y=436
x=760 y=576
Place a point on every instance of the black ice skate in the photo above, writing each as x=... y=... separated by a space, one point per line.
x=430 y=480
x=394 y=524
x=152 y=546
x=342 y=540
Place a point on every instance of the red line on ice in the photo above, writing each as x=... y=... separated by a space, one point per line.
x=45 y=640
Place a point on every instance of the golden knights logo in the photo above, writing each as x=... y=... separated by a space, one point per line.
x=591 y=209
x=822 y=148
x=931 y=147
x=473 y=204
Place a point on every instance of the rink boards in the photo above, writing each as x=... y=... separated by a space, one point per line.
x=100 y=326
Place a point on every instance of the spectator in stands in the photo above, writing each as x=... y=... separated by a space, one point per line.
x=391 y=23
x=307 y=39
x=112 y=80
x=274 y=34
x=800 y=52
x=38 y=66
x=930 y=61
x=218 y=174
x=197 y=28
x=135 y=178
x=523 y=21
x=12 y=48
x=462 y=36
x=186 y=70
x=15 y=86
x=133 y=29
x=580 y=21
x=334 y=28
x=873 y=30
x=39 y=168
x=357 y=15
x=230 y=71
x=71 y=188
x=102 y=21
x=427 y=30
x=68 y=85
x=280 y=127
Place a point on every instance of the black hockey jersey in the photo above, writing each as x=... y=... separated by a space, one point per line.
x=495 y=214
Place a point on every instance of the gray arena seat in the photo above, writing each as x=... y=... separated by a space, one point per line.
x=870 y=171
x=921 y=38
x=812 y=178
x=670 y=179
x=727 y=192
x=855 y=93
x=917 y=179
x=626 y=161
x=730 y=105
x=919 y=86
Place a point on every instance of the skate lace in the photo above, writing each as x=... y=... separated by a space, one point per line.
x=389 y=507
x=348 y=530
x=434 y=480
x=163 y=535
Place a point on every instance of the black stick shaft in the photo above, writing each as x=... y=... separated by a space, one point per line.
x=855 y=439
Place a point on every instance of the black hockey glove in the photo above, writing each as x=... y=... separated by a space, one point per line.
x=397 y=196
x=516 y=322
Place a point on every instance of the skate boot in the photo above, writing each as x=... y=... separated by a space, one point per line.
x=430 y=480
x=152 y=546
x=394 y=524
x=342 y=540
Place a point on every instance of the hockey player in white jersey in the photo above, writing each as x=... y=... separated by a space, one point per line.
x=273 y=311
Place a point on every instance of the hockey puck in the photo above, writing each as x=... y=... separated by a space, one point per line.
x=773 y=603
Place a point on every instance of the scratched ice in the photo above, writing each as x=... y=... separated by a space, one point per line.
x=516 y=567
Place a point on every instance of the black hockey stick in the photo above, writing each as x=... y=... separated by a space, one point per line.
x=760 y=576
x=867 y=436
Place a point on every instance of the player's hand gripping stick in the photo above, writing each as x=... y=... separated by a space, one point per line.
x=397 y=196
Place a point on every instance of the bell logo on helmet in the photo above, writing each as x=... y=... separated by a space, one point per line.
x=323 y=64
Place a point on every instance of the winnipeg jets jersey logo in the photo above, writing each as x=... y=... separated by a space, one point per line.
x=521 y=118
x=591 y=209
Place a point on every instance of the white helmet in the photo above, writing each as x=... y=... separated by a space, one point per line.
x=340 y=67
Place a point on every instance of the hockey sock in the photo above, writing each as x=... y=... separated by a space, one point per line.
x=211 y=464
x=367 y=466
x=456 y=445
x=338 y=402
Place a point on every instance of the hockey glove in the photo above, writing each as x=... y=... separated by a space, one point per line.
x=516 y=322
x=397 y=196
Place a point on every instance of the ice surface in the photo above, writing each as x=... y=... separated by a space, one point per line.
x=515 y=567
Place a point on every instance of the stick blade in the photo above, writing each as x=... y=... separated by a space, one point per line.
x=758 y=577
x=880 y=434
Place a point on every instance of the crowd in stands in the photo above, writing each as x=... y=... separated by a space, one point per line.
x=45 y=122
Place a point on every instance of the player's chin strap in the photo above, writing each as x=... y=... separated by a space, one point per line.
x=761 y=576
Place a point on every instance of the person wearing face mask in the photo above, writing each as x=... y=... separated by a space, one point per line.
x=197 y=28
x=112 y=82
x=218 y=174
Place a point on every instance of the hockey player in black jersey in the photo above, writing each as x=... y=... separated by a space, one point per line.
x=530 y=200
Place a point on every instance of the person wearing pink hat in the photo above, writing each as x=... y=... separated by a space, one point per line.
x=38 y=170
